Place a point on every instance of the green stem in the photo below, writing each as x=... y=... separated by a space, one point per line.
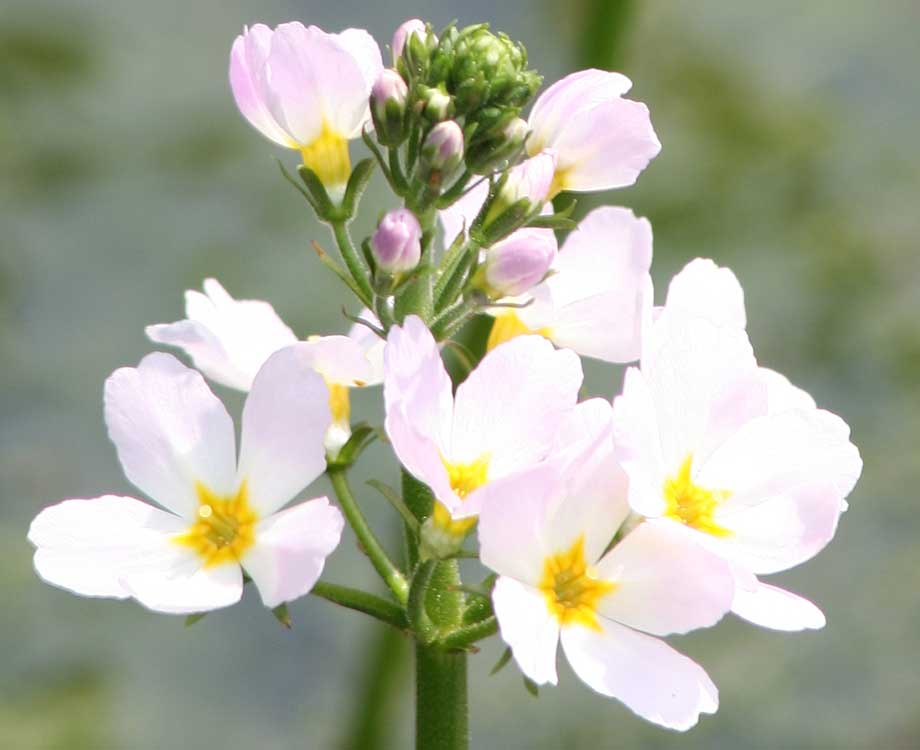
x=382 y=564
x=362 y=601
x=441 y=708
x=353 y=261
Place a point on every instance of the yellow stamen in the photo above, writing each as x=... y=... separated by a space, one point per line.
x=508 y=325
x=572 y=588
x=693 y=505
x=463 y=478
x=559 y=184
x=225 y=528
x=339 y=403
x=328 y=156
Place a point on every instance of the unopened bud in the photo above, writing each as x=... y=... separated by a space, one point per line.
x=397 y=242
x=518 y=263
x=437 y=105
x=492 y=151
x=442 y=153
x=522 y=194
x=401 y=36
x=388 y=107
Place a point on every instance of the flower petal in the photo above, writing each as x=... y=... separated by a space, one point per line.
x=705 y=290
x=648 y=676
x=227 y=339
x=285 y=419
x=528 y=627
x=595 y=300
x=777 y=609
x=512 y=404
x=339 y=359
x=371 y=344
x=666 y=582
x=170 y=432
x=291 y=549
x=176 y=581
x=248 y=81
x=83 y=544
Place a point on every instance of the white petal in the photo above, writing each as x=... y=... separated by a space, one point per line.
x=170 y=432
x=175 y=581
x=458 y=217
x=775 y=608
x=706 y=290
x=339 y=359
x=587 y=421
x=284 y=423
x=782 y=395
x=666 y=582
x=417 y=393
x=638 y=444
x=646 y=674
x=528 y=627
x=512 y=404
x=291 y=549
x=82 y=545
x=594 y=301
x=371 y=344
x=227 y=339
x=513 y=522
x=688 y=364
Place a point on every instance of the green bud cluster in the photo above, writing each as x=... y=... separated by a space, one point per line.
x=478 y=78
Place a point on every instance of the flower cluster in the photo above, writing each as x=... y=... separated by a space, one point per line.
x=606 y=524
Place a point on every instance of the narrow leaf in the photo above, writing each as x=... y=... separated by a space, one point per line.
x=397 y=502
x=502 y=661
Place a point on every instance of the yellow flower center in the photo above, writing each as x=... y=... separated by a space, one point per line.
x=225 y=528
x=463 y=478
x=572 y=588
x=339 y=404
x=328 y=156
x=693 y=505
x=508 y=325
x=559 y=184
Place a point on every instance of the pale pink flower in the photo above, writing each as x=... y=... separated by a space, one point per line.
x=600 y=140
x=308 y=90
x=545 y=531
x=176 y=443
x=503 y=418
x=731 y=453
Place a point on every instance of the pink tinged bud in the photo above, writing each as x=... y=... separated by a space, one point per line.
x=412 y=26
x=397 y=242
x=389 y=87
x=388 y=107
x=519 y=262
x=516 y=131
x=601 y=140
x=442 y=150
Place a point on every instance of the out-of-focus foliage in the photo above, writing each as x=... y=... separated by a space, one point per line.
x=126 y=176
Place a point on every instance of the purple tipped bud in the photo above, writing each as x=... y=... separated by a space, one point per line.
x=388 y=107
x=442 y=152
x=412 y=26
x=519 y=262
x=397 y=242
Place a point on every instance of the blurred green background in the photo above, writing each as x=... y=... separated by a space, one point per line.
x=127 y=176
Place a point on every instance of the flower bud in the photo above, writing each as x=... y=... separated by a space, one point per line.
x=521 y=195
x=442 y=153
x=437 y=105
x=401 y=36
x=495 y=148
x=518 y=263
x=388 y=107
x=397 y=242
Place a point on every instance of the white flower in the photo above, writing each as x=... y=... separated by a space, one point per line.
x=545 y=531
x=176 y=443
x=731 y=452
x=504 y=416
